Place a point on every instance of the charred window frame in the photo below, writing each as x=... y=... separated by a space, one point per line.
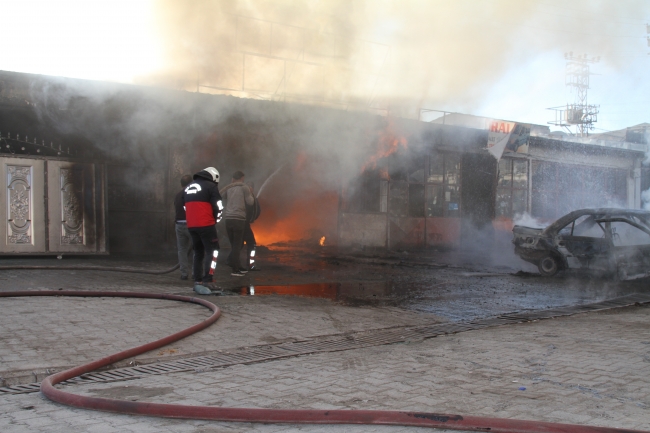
x=512 y=187
x=442 y=194
x=367 y=194
x=416 y=173
x=413 y=185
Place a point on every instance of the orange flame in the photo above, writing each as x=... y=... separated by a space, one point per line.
x=389 y=143
x=322 y=241
x=296 y=207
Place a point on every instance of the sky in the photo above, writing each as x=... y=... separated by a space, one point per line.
x=496 y=58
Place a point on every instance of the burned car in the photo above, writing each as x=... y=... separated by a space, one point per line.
x=613 y=242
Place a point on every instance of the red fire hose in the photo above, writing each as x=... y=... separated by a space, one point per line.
x=88 y=268
x=289 y=416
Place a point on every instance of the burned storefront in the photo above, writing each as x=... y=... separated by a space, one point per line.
x=414 y=194
x=444 y=187
x=137 y=142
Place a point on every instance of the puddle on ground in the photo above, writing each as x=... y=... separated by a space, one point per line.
x=365 y=292
x=460 y=296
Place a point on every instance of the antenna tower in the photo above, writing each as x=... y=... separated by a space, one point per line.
x=580 y=113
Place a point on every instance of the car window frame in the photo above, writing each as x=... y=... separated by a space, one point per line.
x=606 y=234
x=608 y=222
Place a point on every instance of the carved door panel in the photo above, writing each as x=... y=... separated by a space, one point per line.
x=72 y=212
x=22 y=206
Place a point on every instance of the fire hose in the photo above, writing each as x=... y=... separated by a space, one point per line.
x=286 y=416
x=88 y=268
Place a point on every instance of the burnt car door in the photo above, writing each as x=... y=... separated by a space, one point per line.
x=586 y=243
x=631 y=246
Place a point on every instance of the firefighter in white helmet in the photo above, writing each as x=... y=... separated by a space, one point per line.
x=203 y=208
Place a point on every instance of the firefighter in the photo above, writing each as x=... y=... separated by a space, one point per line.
x=203 y=208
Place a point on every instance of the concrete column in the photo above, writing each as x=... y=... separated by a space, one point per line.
x=636 y=181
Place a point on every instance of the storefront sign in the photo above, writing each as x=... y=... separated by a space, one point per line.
x=507 y=137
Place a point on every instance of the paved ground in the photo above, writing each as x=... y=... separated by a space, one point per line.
x=591 y=368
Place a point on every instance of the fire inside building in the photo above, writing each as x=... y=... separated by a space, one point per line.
x=92 y=168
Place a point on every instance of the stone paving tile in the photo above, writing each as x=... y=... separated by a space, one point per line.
x=63 y=331
x=593 y=367
x=440 y=384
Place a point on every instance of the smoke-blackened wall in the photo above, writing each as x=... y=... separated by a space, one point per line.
x=150 y=137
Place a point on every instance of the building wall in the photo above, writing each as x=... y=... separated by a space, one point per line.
x=553 y=179
x=415 y=196
x=362 y=230
x=582 y=176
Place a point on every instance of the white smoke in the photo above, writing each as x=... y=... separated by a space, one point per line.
x=527 y=220
x=376 y=54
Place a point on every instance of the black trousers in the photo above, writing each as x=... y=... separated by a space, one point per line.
x=235 y=230
x=204 y=242
x=249 y=238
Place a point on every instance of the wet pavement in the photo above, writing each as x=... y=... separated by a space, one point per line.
x=590 y=368
x=450 y=286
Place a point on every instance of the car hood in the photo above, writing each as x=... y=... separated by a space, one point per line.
x=523 y=230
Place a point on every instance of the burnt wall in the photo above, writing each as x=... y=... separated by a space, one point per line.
x=149 y=138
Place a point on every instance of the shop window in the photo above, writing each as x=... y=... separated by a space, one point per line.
x=418 y=186
x=452 y=169
x=442 y=193
x=452 y=200
x=398 y=198
x=397 y=168
x=436 y=168
x=416 y=171
x=558 y=189
x=512 y=187
x=365 y=195
x=416 y=200
x=434 y=201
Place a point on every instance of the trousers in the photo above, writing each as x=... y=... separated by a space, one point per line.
x=205 y=242
x=184 y=245
x=235 y=230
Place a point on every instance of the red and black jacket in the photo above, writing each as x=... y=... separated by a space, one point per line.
x=202 y=201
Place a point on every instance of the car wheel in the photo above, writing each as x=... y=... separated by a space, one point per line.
x=548 y=266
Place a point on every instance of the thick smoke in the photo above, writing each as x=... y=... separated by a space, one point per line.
x=378 y=54
x=137 y=125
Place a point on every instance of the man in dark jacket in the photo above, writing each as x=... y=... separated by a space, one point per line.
x=203 y=208
x=237 y=196
x=183 y=237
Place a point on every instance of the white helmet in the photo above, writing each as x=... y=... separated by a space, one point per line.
x=214 y=173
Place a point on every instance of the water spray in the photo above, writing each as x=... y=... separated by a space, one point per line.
x=270 y=177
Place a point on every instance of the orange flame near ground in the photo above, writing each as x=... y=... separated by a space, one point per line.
x=306 y=216
x=322 y=241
